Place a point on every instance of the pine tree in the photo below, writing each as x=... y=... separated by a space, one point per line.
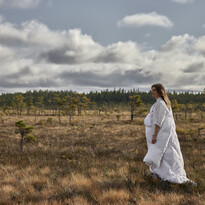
x=60 y=103
x=18 y=102
x=135 y=102
x=23 y=130
x=71 y=107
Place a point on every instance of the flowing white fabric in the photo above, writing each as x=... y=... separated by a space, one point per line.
x=164 y=158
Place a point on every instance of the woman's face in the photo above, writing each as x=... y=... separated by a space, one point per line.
x=155 y=93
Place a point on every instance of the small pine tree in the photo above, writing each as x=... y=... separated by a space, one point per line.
x=135 y=102
x=71 y=107
x=117 y=110
x=60 y=103
x=23 y=130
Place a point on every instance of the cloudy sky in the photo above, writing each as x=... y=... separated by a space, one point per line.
x=86 y=45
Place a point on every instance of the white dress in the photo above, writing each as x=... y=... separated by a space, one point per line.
x=164 y=158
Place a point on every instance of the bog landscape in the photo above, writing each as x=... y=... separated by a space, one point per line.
x=71 y=148
x=78 y=80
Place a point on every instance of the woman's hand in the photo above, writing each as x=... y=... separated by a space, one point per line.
x=154 y=139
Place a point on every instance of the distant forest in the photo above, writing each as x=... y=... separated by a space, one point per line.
x=106 y=97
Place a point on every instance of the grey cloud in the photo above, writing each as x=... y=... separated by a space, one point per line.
x=189 y=80
x=45 y=83
x=202 y=80
x=81 y=78
x=119 y=52
x=58 y=56
x=108 y=57
x=195 y=67
x=17 y=80
x=116 y=78
x=61 y=56
x=23 y=72
x=10 y=40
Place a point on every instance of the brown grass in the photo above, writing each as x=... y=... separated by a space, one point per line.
x=92 y=161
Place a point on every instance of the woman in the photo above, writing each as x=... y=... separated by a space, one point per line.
x=164 y=156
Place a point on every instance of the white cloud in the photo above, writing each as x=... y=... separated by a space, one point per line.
x=121 y=52
x=34 y=56
x=30 y=32
x=176 y=58
x=69 y=45
x=183 y=1
x=183 y=43
x=146 y=19
x=5 y=54
x=22 y=4
x=200 y=45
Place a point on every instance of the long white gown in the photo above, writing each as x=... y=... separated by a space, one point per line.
x=164 y=158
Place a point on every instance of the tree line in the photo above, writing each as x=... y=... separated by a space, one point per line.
x=47 y=98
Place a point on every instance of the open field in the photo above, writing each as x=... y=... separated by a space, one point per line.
x=93 y=161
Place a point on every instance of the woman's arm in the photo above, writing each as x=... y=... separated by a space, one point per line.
x=154 y=139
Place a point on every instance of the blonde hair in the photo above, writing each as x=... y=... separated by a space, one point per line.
x=161 y=91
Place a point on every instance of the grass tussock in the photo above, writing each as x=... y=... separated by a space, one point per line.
x=93 y=161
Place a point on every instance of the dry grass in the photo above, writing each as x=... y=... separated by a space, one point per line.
x=94 y=161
